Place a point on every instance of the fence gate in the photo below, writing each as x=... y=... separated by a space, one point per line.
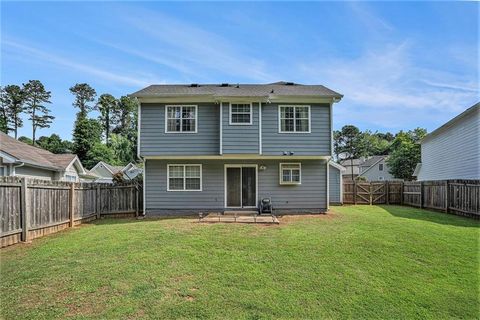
x=362 y=194
x=378 y=192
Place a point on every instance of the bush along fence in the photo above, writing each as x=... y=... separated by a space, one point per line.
x=460 y=197
x=33 y=208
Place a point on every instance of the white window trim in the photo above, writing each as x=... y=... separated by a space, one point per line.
x=280 y=172
x=382 y=166
x=280 y=106
x=181 y=105
x=184 y=165
x=240 y=124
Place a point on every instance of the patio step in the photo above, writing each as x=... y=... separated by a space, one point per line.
x=240 y=212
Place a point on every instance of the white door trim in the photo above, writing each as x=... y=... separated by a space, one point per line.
x=225 y=183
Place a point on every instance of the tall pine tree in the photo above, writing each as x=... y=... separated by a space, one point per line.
x=35 y=98
x=12 y=99
x=84 y=94
x=107 y=106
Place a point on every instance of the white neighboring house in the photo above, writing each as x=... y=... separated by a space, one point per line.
x=21 y=159
x=375 y=168
x=453 y=150
x=105 y=172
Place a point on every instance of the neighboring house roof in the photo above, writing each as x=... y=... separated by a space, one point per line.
x=280 y=88
x=338 y=166
x=36 y=156
x=371 y=162
x=350 y=162
x=470 y=111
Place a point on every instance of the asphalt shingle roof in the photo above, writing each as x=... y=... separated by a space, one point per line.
x=34 y=155
x=237 y=90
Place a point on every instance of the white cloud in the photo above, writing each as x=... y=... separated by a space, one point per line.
x=198 y=48
x=130 y=80
x=385 y=88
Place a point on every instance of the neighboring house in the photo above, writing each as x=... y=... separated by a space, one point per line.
x=336 y=182
x=352 y=168
x=21 y=159
x=105 y=172
x=226 y=147
x=453 y=150
x=375 y=168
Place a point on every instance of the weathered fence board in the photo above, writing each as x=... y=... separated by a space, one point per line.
x=461 y=197
x=33 y=208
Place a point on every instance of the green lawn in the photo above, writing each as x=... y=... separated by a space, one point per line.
x=357 y=262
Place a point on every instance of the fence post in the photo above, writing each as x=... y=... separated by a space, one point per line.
x=136 y=201
x=401 y=193
x=25 y=209
x=71 y=202
x=371 y=192
x=421 y=194
x=98 y=202
x=354 y=191
x=387 y=192
x=446 y=196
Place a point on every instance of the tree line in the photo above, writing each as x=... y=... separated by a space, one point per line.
x=402 y=148
x=111 y=137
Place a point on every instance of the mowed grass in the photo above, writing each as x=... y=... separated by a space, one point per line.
x=357 y=262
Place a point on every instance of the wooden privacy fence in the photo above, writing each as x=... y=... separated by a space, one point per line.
x=460 y=197
x=32 y=208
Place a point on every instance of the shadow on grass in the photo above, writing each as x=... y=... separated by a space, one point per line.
x=431 y=216
x=130 y=220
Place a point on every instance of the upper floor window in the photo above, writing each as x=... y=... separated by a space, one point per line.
x=181 y=119
x=294 y=119
x=290 y=173
x=380 y=167
x=184 y=177
x=241 y=113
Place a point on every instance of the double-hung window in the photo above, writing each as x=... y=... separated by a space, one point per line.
x=290 y=173
x=294 y=119
x=184 y=177
x=181 y=119
x=240 y=113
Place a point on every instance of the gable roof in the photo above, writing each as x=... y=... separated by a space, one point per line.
x=337 y=166
x=373 y=160
x=470 y=111
x=280 y=88
x=35 y=156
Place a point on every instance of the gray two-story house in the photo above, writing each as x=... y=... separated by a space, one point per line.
x=220 y=147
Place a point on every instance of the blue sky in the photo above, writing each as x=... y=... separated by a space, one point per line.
x=399 y=65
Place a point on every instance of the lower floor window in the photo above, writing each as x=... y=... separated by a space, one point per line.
x=290 y=173
x=184 y=177
x=71 y=178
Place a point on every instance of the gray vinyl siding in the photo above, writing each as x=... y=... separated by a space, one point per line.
x=334 y=185
x=34 y=172
x=154 y=141
x=374 y=173
x=310 y=196
x=453 y=153
x=318 y=142
x=238 y=139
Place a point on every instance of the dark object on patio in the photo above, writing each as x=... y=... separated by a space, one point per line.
x=265 y=206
